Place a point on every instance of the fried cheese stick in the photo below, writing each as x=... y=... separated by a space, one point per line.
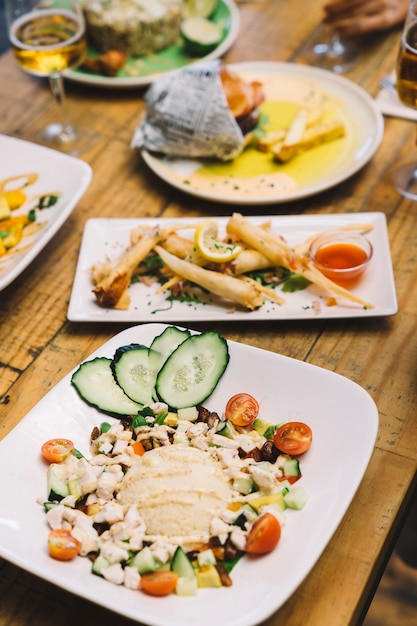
x=220 y=284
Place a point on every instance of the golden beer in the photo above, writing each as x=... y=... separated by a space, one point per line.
x=48 y=41
x=407 y=67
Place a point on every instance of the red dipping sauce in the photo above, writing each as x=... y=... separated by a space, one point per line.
x=341 y=256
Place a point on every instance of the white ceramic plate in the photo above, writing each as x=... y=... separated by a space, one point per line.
x=57 y=173
x=334 y=407
x=315 y=170
x=144 y=70
x=105 y=239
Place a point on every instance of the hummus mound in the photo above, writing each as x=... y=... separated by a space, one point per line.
x=178 y=491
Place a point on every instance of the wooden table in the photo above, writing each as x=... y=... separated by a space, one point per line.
x=38 y=346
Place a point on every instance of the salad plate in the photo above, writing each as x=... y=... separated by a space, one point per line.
x=105 y=240
x=260 y=586
x=54 y=174
x=142 y=71
x=252 y=178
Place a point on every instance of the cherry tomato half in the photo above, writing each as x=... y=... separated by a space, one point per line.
x=159 y=583
x=62 y=545
x=293 y=438
x=264 y=535
x=242 y=409
x=57 y=450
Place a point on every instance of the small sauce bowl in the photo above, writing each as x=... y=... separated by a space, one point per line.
x=341 y=255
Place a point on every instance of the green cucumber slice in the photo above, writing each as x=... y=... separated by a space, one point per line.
x=135 y=368
x=95 y=383
x=191 y=373
x=169 y=340
x=200 y=35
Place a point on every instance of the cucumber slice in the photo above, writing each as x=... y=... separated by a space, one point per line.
x=191 y=373
x=201 y=36
x=169 y=340
x=135 y=368
x=95 y=384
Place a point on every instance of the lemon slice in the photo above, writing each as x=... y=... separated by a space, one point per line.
x=210 y=247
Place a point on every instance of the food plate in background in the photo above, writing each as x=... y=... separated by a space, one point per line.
x=142 y=71
x=332 y=472
x=105 y=240
x=57 y=173
x=314 y=170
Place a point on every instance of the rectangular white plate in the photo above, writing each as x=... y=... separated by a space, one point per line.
x=57 y=172
x=332 y=405
x=106 y=239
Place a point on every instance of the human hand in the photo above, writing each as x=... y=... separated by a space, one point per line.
x=354 y=17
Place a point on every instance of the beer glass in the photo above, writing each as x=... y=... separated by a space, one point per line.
x=405 y=177
x=47 y=37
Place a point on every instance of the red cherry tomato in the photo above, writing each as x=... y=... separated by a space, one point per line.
x=242 y=409
x=62 y=545
x=293 y=438
x=159 y=583
x=264 y=535
x=57 y=450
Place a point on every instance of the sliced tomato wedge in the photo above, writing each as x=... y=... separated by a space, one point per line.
x=242 y=409
x=62 y=545
x=159 y=583
x=264 y=535
x=293 y=438
x=57 y=450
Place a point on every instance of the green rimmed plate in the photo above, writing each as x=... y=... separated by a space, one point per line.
x=142 y=71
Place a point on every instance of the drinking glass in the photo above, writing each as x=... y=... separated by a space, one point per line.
x=404 y=178
x=47 y=37
x=329 y=51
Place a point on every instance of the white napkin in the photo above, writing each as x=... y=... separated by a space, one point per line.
x=389 y=104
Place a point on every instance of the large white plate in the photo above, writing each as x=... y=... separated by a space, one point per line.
x=363 y=121
x=170 y=59
x=57 y=172
x=105 y=239
x=334 y=407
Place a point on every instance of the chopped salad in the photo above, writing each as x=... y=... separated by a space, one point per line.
x=258 y=460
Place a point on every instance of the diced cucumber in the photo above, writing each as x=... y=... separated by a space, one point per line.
x=296 y=498
x=245 y=514
x=99 y=564
x=186 y=587
x=169 y=340
x=262 y=427
x=48 y=506
x=200 y=35
x=206 y=557
x=189 y=413
x=135 y=368
x=56 y=483
x=243 y=484
x=182 y=565
x=95 y=384
x=191 y=373
x=228 y=430
x=291 y=468
x=144 y=561
x=74 y=488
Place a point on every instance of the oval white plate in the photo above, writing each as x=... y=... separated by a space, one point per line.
x=363 y=120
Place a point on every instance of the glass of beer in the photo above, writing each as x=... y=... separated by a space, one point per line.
x=405 y=177
x=48 y=37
